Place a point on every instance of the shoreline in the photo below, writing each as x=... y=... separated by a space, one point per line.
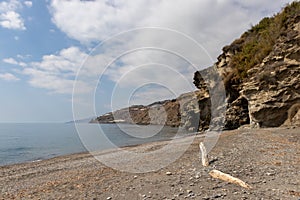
x=267 y=159
x=101 y=151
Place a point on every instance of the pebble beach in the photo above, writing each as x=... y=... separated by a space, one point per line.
x=266 y=159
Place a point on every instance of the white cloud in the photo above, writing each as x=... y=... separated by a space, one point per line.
x=9 y=5
x=67 y=60
x=9 y=16
x=56 y=72
x=55 y=83
x=22 y=64
x=97 y=19
x=212 y=23
x=8 y=77
x=24 y=57
x=28 y=4
x=12 y=61
x=12 y=20
x=205 y=20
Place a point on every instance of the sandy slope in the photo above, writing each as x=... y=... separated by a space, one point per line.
x=267 y=159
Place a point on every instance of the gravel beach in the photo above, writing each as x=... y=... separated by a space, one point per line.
x=266 y=159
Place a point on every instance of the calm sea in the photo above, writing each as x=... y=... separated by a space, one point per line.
x=30 y=142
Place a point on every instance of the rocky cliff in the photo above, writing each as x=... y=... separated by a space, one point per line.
x=260 y=73
x=182 y=111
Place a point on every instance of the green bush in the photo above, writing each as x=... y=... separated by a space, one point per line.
x=258 y=42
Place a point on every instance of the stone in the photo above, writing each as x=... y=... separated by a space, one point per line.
x=270 y=94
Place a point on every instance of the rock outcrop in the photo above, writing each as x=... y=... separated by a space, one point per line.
x=263 y=81
x=259 y=74
x=162 y=112
x=183 y=111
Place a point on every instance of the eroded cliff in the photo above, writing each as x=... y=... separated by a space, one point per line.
x=260 y=73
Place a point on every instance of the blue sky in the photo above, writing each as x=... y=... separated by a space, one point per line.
x=48 y=44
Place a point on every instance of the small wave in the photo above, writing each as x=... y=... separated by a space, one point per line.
x=16 y=149
x=37 y=160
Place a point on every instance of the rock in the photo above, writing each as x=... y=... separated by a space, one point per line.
x=169 y=173
x=270 y=173
x=255 y=81
x=277 y=105
x=180 y=194
x=217 y=196
x=183 y=111
x=269 y=93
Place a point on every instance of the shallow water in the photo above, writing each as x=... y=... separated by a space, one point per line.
x=30 y=142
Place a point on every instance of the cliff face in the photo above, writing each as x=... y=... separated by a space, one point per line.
x=260 y=73
x=182 y=111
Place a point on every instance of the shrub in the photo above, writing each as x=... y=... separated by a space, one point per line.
x=258 y=42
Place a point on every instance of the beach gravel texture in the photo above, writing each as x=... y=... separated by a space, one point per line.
x=266 y=159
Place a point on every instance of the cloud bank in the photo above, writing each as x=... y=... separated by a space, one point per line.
x=211 y=24
x=10 y=17
x=8 y=77
x=56 y=72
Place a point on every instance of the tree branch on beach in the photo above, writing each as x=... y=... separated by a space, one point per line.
x=228 y=178
x=204 y=156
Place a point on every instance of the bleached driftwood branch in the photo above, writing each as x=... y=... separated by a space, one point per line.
x=204 y=157
x=228 y=178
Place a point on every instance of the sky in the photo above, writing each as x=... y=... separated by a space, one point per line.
x=63 y=59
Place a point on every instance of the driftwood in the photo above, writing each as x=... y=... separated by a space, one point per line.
x=204 y=157
x=228 y=178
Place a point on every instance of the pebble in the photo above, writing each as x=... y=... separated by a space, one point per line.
x=179 y=194
x=217 y=196
x=270 y=174
x=108 y=198
x=168 y=173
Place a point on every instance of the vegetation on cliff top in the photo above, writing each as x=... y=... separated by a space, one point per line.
x=258 y=42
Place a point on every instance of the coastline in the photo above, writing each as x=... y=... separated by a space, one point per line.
x=63 y=140
x=87 y=153
x=267 y=159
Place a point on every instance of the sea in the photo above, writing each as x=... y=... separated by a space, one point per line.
x=29 y=142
